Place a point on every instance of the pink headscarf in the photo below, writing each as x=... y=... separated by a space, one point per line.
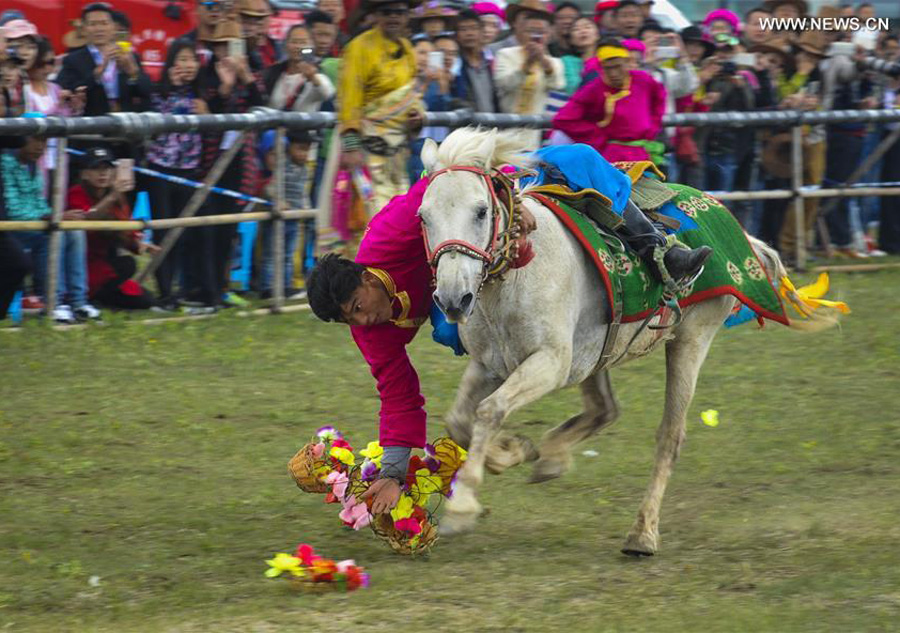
x=724 y=15
x=489 y=8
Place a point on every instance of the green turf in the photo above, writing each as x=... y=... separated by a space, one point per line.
x=154 y=457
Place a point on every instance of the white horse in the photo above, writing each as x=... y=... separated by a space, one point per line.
x=539 y=329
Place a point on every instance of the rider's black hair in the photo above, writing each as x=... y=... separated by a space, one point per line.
x=331 y=284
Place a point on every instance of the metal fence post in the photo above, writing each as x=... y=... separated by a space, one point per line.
x=277 y=226
x=59 y=202
x=796 y=184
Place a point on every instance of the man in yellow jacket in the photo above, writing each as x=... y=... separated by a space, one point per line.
x=379 y=102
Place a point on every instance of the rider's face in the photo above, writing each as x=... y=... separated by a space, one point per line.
x=369 y=304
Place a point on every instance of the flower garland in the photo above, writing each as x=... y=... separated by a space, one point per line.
x=309 y=572
x=410 y=527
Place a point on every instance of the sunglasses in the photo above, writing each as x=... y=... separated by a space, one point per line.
x=213 y=6
x=396 y=11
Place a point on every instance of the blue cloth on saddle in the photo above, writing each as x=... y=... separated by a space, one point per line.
x=580 y=166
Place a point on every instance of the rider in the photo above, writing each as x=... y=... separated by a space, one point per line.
x=385 y=295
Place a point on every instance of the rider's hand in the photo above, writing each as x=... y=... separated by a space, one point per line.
x=385 y=493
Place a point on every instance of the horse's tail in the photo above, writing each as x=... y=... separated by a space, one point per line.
x=815 y=314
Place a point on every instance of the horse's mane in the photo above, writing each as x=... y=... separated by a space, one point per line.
x=484 y=148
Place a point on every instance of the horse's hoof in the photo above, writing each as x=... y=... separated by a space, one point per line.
x=453 y=523
x=547 y=469
x=639 y=545
x=508 y=451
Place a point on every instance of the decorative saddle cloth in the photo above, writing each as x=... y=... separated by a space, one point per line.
x=696 y=218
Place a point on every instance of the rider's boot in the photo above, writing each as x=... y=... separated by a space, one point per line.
x=667 y=258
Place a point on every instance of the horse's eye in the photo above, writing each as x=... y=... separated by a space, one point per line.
x=482 y=213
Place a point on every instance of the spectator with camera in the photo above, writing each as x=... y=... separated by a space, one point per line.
x=473 y=85
x=175 y=154
x=526 y=74
x=109 y=72
x=296 y=84
x=100 y=195
x=229 y=86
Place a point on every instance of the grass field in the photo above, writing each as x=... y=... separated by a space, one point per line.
x=154 y=458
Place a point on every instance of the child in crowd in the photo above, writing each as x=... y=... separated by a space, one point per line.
x=23 y=190
x=100 y=196
x=296 y=196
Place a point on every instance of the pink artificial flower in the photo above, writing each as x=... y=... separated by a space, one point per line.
x=306 y=554
x=318 y=450
x=338 y=483
x=354 y=514
x=408 y=525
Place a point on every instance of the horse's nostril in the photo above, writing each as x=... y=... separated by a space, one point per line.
x=466 y=302
x=440 y=305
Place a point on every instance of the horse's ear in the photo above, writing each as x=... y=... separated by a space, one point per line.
x=429 y=155
x=487 y=148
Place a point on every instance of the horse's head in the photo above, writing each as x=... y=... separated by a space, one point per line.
x=462 y=217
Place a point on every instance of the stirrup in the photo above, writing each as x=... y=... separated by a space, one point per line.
x=659 y=255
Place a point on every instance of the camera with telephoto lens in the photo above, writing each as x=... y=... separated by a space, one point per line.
x=729 y=68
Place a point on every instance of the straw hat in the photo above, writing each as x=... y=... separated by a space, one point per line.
x=813 y=42
x=256 y=8
x=226 y=30
x=433 y=11
x=765 y=49
x=533 y=6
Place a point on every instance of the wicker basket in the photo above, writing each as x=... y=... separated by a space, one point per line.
x=303 y=469
x=383 y=526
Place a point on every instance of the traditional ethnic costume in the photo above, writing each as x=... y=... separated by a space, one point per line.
x=620 y=124
x=376 y=95
x=393 y=251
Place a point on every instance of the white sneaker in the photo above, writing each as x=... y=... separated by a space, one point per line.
x=87 y=312
x=63 y=314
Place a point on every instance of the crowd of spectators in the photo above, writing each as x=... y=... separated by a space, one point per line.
x=607 y=78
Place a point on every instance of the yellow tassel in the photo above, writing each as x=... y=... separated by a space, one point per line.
x=810 y=296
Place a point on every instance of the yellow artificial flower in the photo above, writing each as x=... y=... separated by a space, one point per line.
x=426 y=484
x=811 y=296
x=374 y=452
x=343 y=455
x=404 y=508
x=282 y=563
x=710 y=417
x=451 y=457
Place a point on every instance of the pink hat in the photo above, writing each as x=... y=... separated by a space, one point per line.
x=635 y=45
x=488 y=8
x=14 y=29
x=726 y=16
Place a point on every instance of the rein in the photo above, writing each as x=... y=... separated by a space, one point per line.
x=502 y=248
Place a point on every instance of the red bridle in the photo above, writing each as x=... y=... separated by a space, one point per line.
x=489 y=255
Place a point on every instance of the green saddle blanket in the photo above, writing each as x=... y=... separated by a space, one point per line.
x=732 y=269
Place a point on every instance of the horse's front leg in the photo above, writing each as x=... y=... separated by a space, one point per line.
x=477 y=384
x=542 y=372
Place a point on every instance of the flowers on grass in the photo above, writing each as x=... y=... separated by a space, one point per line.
x=307 y=570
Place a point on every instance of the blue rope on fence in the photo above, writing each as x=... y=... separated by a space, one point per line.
x=190 y=183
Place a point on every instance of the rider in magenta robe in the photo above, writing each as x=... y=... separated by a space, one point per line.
x=619 y=112
x=385 y=295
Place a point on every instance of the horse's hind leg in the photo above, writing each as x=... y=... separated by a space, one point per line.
x=684 y=357
x=600 y=410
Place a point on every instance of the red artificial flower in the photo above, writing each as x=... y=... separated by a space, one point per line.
x=415 y=463
x=419 y=514
x=410 y=526
x=306 y=554
x=354 y=578
x=323 y=570
x=342 y=444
